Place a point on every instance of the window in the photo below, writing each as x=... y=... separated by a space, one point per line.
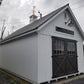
x=63 y=47
x=71 y=48
x=58 y=47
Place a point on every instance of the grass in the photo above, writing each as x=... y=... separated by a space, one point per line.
x=8 y=78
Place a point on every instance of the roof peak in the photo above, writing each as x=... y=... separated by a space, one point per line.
x=67 y=4
x=35 y=25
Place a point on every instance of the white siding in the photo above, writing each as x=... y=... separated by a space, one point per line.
x=80 y=56
x=45 y=46
x=31 y=56
x=20 y=57
x=44 y=58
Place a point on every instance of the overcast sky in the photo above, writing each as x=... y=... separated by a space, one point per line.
x=16 y=12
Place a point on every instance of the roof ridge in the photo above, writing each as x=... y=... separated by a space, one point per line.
x=57 y=9
x=35 y=25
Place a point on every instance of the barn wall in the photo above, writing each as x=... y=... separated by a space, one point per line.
x=44 y=58
x=45 y=46
x=20 y=57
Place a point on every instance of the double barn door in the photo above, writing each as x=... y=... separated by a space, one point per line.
x=64 y=57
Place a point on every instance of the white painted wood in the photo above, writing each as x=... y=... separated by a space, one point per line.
x=30 y=56
x=44 y=58
x=45 y=46
x=20 y=57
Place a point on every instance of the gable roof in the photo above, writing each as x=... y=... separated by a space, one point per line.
x=36 y=24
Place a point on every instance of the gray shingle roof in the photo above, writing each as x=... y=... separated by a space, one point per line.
x=35 y=25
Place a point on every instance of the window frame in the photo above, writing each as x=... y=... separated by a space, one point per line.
x=63 y=30
x=65 y=45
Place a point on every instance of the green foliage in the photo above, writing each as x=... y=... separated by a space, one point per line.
x=7 y=78
x=12 y=81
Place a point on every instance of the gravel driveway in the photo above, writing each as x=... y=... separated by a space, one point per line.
x=79 y=81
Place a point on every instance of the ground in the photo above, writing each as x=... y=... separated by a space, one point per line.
x=7 y=78
x=79 y=81
x=73 y=80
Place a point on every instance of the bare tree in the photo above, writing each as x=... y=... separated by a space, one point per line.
x=0 y=2
x=3 y=30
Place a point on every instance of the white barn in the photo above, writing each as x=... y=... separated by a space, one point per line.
x=47 y=49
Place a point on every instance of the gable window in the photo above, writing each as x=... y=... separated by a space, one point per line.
x=63 y=30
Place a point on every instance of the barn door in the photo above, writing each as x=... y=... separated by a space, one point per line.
x=64 y=57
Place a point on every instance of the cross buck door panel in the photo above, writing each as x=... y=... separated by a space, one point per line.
x=64 y=57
